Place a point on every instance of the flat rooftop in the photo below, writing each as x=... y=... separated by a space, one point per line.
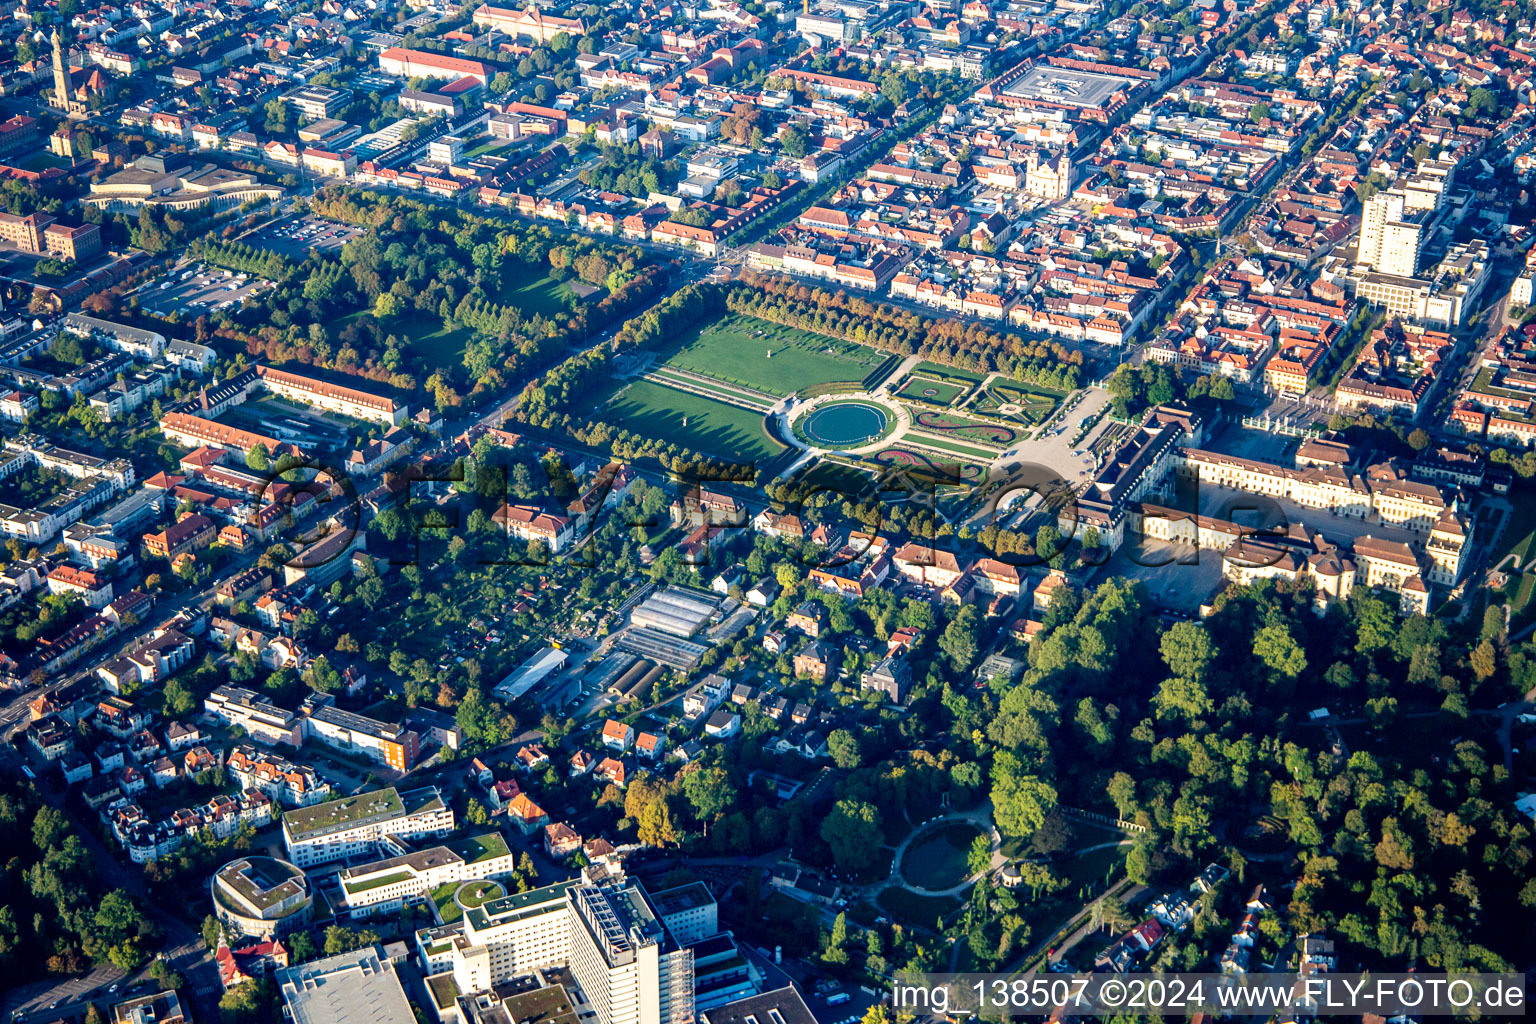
x=684 y=897
x=515 y=904
x=346 y=812
x=547 y=1005
x=354 y=988
x=476 y=849
x=1068 y=87
x=363 y=809
x=262 y=880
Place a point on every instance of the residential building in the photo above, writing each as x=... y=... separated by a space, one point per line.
x=389 y=743
x=256 y=713
x=287 y=783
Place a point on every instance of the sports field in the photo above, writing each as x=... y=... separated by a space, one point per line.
x=689 y=421
x=772 y=358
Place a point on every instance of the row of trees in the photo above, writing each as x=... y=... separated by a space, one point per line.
x=961 y=343
x=243 y=257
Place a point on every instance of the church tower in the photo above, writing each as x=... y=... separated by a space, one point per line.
x=62 y=91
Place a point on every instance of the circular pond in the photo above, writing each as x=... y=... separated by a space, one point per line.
x=839 y=425
x=936 y=859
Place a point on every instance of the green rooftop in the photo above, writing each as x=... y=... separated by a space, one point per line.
x=444 y=989
x=374 y=883
x=347 y=812
x=517 y=903
x=263 y=881
x=447 y=910
x=476 y=849
x=478 y=894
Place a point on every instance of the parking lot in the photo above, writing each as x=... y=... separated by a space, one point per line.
x=296 y=237
x=196 y=289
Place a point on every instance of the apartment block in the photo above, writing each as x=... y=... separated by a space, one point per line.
x=389 y=743
x=256 y=713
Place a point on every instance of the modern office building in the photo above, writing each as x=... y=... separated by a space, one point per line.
x=261 y=897
x=387 y=884
x=317 y=101
x=357 y=825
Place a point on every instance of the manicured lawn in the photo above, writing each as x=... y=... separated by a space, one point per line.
x=737 y=349
x=942 y=372
x=843 y=478
x=930 y=389
x=1035 y=404
x=1090 y=869
x=1520 y=533
x=936 y=859
x=480 y=893
x=522 y=286
x=690 y=421
x=1016 y=391
x=447 y=909
x=485 y=145
x=1519 y=592
x=920 y=461
x=38 y=160
x=962 y=428
x=930 y=440
x=439 y=346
